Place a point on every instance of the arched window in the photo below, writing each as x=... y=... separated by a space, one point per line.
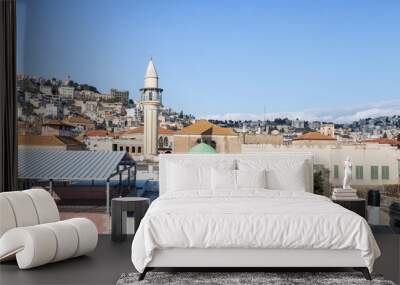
x=160 y=142
x=166 y=141
x=150 y=96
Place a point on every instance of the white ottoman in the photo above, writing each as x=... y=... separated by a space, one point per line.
x=31 y=232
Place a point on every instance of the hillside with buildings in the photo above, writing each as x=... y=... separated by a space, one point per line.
x=66 y=115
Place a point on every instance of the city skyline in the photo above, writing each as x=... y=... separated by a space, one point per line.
x=342 y=116
x=263 y=58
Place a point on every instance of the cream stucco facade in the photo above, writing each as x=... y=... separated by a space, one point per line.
x=378 y=164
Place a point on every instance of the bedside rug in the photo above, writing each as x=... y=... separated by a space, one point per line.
x=228 y=278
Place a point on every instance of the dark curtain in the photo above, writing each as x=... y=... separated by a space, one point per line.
x=8 y=104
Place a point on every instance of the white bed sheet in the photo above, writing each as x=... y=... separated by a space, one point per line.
x=253 y=218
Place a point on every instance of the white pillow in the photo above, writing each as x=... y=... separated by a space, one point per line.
x=181 y=177
x=282 y=174
x=193 y=175
x=223 y=179
x=251 y=178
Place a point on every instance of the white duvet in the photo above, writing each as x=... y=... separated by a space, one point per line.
x=250 y=219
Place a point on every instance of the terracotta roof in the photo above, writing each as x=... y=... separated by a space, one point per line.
x=79 y=120
x=47 y=140
x=58 y=123
x=100 y=133
x=383 y=141
x=140 y=130
x=204 y=127
x=314 y=136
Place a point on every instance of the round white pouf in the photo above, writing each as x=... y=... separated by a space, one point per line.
x=87 y=235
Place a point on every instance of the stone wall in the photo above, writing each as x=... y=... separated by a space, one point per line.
x=224 y=144
x=263 y=139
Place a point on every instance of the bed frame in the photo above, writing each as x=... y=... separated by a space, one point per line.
x=242 y=259
x=246 y=259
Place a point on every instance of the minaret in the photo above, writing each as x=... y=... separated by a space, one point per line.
x=151 y=101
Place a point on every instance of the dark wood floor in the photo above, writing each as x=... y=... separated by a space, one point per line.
x=110 y=259
x=103 y=266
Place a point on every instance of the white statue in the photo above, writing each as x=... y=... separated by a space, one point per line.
x=347 y=173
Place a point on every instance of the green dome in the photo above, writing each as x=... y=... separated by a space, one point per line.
x=202 y=148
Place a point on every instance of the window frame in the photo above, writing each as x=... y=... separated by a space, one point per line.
x=385 y=172
x=374 y=172
x=336 y=171
x=359 y=172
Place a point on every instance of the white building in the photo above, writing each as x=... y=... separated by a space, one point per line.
x=374 y=165
x=111 y=143
x=328 y=130
x=46 y=89
x=86 y=106
x=112 y=108
x=49 y=110
x=66 y=91
x=151 y=101
x=135 y=113
x=315 y=125
x=298 y=124
x=131 y=141
x=121 y=95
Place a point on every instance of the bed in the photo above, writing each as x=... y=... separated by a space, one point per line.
x=247 y=210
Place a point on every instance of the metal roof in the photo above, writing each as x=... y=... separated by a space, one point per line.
x=69 y=165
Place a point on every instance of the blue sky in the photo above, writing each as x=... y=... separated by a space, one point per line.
x=224 y=59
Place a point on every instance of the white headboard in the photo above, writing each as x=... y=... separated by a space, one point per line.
x=209 y=158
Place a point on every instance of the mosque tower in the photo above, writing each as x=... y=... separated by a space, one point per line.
x=151 y=101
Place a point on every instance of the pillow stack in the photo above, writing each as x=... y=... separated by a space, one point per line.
x=230 y=175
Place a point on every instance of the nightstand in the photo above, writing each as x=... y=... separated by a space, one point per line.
x=119 y=210
x=358 y=206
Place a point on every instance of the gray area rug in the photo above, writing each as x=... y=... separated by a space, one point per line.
x=228 y=278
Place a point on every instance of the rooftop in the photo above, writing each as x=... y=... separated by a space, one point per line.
x=383 y=141
x=37 y=140
x=78 y=120
x=69 y=165
x=204 y=127
x=58 y=123
x=314 y=136
x=100 y=133
x=140 y=130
